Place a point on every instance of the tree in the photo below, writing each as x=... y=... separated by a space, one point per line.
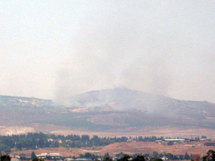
x=139 y=158
x=156 y=159
x=210 y=156
x=125 y=157
x=155 y=154
x=33 y=155
x=107 y=157
x=5 y=157
x=37 y=159
x=186 y=156
x=170 y=143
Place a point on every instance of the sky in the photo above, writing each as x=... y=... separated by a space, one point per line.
x=59 y=48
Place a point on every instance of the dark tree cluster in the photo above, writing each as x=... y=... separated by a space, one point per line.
x=40 y=140
x=210 y=156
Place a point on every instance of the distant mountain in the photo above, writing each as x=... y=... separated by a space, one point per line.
x=109 y=109
x=123 y=99
x=16 y=111
x=118 y=99
x=15 y=101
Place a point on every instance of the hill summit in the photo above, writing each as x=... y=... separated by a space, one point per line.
x=124 y=99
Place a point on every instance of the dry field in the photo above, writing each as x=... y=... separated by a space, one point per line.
x=188 y=132
x=129 y=148
x=147 y=131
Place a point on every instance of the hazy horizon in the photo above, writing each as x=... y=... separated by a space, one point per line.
x=56 y=49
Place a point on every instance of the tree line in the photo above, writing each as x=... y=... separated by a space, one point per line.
x=41 y=140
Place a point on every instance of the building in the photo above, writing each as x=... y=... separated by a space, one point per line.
x=50 y=156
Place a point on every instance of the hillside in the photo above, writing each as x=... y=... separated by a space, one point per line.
x=14 y=101
x=107 y=110
x=123 y=99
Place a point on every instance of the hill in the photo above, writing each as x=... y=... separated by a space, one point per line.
x=123 y=99
x=14 y=101
x=107 y=110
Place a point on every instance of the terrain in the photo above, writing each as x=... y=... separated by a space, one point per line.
x=129 y=148
x=115 y=111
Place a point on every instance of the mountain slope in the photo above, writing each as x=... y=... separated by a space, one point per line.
x=14 y=101
x=123 y=99
x=110 y=109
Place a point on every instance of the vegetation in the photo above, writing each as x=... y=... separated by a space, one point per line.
x=125 y=157
x=33 y=155
x=139 y=158
x=107 y=157
x=210 y=156
x=41 y=140
x=5 y=157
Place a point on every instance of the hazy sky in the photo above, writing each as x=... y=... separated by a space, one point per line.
x=58 y=48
